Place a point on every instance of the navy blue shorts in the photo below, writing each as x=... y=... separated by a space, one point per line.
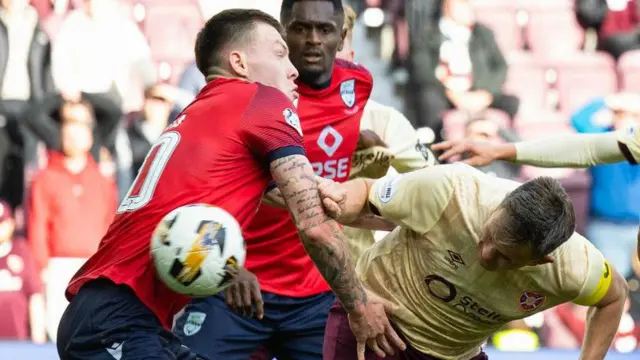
x=105 y=321
x=292 y=328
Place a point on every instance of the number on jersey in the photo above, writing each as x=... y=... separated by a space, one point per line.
x=143 y=187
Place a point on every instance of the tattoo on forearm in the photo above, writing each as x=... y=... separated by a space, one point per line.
x=299 y=189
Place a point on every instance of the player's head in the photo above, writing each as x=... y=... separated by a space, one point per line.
x=531 y=222
x=246 y=44
x=347 y=52
x=314 y=33
x=76 y=119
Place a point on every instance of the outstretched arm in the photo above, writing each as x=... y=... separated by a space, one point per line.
x=576 y=150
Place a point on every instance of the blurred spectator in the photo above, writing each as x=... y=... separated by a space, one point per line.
x=618 y=22
x=149 y=124
x=98 y=50
x=71 y=205
x=44 y=120
x=457 y=64
x=192 y=80
x=615 y=210
x=481 y=129
x=25 y=76
x=21 y=301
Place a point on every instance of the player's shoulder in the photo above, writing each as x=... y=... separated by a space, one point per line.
x=570 y=266
x=270 y=97
x=351 y=69
x=380 y=110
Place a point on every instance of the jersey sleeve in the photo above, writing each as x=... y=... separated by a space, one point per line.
x=403 y=143
x=629 y=144
x=270 y=125
x=585 y=272
x=415 y=200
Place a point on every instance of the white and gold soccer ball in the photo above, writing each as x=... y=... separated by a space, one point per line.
x=197 y=249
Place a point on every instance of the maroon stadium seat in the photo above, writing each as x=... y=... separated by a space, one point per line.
x=525 y=79
x=171 y=27
x=500 y=16
x=552 y=26
x=581 y=77
x=531 y=123
x=629 y=71
x=454 y=122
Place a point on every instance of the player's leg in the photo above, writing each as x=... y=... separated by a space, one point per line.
x=301 y=324
x=106 y=322
x=209 y=328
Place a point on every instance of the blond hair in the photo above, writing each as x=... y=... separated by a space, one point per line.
x=349 y=20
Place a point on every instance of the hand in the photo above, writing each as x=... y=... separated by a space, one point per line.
x=334 y=197
x=369 y=139
x=244 y=293
x=480 y=153
x=372 y=328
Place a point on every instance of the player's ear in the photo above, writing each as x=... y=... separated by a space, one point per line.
x=238 y=63
x=343 y=35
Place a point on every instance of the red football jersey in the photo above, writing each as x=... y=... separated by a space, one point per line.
x=330 y=119
x=216 y=152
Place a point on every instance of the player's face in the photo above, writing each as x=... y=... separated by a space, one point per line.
x=496 y=253
x=314 y=36
x=268 y=61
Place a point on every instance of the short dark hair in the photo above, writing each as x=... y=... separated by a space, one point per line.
x=228 y=27
x=287 y=8
x=538 y=213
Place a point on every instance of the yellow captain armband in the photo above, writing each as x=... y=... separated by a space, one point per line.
x=595 y=290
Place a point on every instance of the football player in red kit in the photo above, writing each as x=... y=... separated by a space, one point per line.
x=283 y=296
x=221 y=150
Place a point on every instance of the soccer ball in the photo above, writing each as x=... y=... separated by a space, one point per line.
x=197 y=249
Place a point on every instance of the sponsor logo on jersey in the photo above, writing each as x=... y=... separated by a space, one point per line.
x=348 y=92
x=388 y=188
x=292 y=119
x=194 y=322
x=454 y=259
x=530 y=300
x=115 y=350
x=329 y=140
x=444 y=290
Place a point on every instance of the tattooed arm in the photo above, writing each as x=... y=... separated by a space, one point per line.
x=274 y=198
x=321 y=236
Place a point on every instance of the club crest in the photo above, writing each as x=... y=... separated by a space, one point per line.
x=348 y=92
x=292 y=119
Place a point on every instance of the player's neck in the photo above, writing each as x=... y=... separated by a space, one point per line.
x=75 y=164
x=316 y=82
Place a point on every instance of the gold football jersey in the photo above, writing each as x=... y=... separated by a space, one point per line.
x=448 y=304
